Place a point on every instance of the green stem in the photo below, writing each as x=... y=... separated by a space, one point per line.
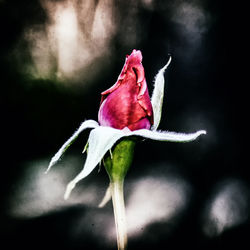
x=117 y=164
x=119 y=214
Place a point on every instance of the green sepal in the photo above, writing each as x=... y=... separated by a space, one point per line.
x=118 y=164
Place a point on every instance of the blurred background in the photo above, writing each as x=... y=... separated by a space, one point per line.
x=56 y=57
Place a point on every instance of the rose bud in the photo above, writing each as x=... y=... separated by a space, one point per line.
x=127 y=102
x=124 y=105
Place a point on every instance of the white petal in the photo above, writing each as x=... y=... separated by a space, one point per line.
x=100 y=140
x=84 y=125
x=157 y=96
x=167 y=136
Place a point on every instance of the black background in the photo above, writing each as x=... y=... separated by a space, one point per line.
x=205 y=90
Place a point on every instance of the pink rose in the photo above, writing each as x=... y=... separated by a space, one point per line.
x=127 y=102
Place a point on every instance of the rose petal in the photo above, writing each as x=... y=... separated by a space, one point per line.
x=157 y=96
x=83 y=126
x=127 y=102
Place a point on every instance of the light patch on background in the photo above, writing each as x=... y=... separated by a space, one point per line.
x=81 y=33
x=73 y=42
x=103 y=23
x=193 y=18
x=228 y=208
x=155 y=199
x=37 y=193
x=41 y=53
x=77 y=41
x=151 y=199
x=148 y=3
x=191 y=21
x=68 y=39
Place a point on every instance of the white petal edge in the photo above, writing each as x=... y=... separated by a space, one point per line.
x=167 y=136
x=100 y=140
x=85 y=125
x=158 y=94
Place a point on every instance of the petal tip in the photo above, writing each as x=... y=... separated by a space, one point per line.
x=162 y=70
x=49 y=167
x=202 y=132
x=69 y=188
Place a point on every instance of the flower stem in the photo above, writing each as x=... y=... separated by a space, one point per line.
x=117 y=165
x=119 y=214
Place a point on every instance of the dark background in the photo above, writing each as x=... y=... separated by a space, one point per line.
x=204 y=90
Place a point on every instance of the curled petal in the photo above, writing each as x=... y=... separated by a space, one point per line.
x=167 y=136
x=83 y=126
x=101 y=139
x=157 y=96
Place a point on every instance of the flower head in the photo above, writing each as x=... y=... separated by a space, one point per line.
x=127 y=102
x=126 y=110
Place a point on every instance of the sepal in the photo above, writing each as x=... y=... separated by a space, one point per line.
x=157 y=96
x=61 y=151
